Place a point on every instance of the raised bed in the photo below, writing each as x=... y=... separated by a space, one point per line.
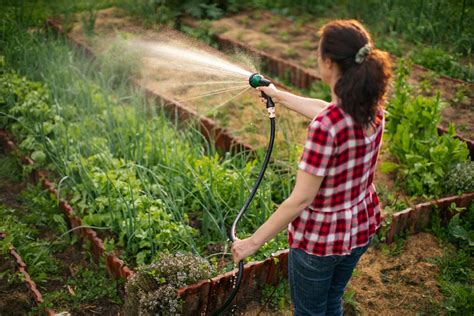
x=114 y=265
x=205 y=296
x=303 y=77
x=30 y=284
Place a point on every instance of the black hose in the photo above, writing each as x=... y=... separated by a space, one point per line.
x=233 y=237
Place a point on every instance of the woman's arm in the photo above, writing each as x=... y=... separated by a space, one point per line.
x=306 y=188
x=306 y=106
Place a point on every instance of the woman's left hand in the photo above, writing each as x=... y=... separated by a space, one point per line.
x=243 y=248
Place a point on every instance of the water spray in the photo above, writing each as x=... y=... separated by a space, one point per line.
x=255 y=80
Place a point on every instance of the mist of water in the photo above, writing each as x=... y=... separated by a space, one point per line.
x=182 y=66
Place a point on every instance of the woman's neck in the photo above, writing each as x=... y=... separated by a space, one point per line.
x=332 y=84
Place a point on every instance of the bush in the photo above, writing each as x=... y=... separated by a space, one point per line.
x=153 y=289
x=460 y=179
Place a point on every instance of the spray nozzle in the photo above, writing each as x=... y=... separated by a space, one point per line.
x=257 y=80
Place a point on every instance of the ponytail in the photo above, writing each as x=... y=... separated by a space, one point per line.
x=365 y=71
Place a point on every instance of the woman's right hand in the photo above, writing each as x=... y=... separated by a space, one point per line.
x=271 y=91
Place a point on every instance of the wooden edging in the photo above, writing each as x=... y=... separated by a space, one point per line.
x=30 y=284
x=416 y=219
x=300 y=76
x=114 y=265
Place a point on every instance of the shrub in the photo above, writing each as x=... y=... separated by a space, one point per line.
x=153 y=289
x=460 y=179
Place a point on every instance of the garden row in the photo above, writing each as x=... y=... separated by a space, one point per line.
x=58 y=272
x=131 y=149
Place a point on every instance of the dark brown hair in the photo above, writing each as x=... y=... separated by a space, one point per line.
x=362 y=86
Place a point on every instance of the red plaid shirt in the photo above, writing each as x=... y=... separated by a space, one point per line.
x=345 y=212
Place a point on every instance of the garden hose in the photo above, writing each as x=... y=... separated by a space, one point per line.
x=255 y=80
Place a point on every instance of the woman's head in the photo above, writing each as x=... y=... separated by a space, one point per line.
x=346 y=50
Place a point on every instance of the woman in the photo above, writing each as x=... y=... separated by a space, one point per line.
x=333 y=210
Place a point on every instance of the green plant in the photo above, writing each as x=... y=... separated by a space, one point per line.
x=456 y=264
x=460 y=178
x=245 y=21
x=153 y=289
x=319 y=90
x=443 y=63
x=240 y=35
x=424 y=157
x=264 y=28
x=88 y=21
x=349 y=300
x=291 y=52
x=141 y=181
x=459 y=95
x=262 y=45
x=284 y=35
x=276 y=297
x=308 y=45
x=310 y=62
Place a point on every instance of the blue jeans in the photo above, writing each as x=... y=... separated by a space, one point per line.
x=317 y=283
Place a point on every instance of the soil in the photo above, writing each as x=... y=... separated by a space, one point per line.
x=296 y=43
x=113 y=23
x=70 y=259
x=403 y=284
x=385 y=284
x=15 y=298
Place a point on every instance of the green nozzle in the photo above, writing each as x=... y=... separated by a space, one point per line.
x=257 y=80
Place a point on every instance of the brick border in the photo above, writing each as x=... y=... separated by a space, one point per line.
x=414 y=220
x=30 y=284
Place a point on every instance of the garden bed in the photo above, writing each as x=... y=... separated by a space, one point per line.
x=289 y=53
x=209 y=293
x=22 y=269
x=57 y=269
x=224 y=126
x=114 y=265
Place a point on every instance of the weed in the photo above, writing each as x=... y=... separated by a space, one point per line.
x=264 y=28
x=262 y=45
x=310 y=62
x=291 y=52
x=349 y=300
x=459 y=95
x=284 y=35
x=240 y=36
x=308 y=45
x=88 y=22
x=276 y=297
x=245 y=21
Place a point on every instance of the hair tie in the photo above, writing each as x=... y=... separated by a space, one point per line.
x=362 y=53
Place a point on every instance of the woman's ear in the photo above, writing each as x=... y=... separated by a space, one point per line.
x=329 y=63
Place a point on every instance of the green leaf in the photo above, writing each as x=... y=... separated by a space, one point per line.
x=38 y=156
x=387 y=166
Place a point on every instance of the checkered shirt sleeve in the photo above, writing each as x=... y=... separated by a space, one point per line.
x=319 y=149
